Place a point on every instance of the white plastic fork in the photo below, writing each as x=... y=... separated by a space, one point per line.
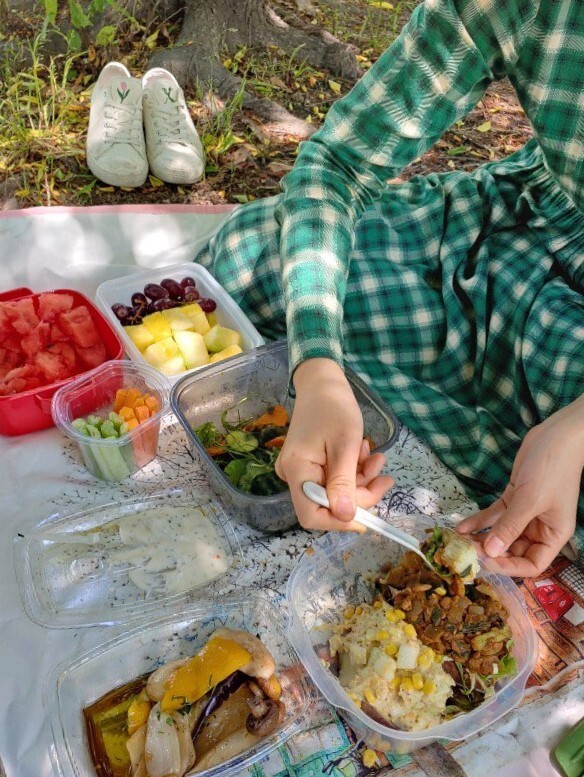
x=318 y=494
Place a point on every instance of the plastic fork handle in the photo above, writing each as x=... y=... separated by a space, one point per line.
x=318 y=494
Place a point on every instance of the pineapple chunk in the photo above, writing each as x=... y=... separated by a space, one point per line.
x=200 y=323
x=218 y=338
x=159 y=353
x=158 y=326
x=140 y=335
x=231 y=350
x=192 y=309
x=193 y=348
x=177 y=320
x=212 y=318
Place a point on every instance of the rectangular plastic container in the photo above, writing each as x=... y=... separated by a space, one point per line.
x=339 y=573
x=229 y=314
x=30 y=411
x=93 y=394
x=73 y=686
x=68 y=581
x=262 y=375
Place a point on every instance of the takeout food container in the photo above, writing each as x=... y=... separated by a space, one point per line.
x=30 y=411
x=339 y=573
x=78 y=683
x=67 y=581
x=262 y=376
x=229 y=314
x=94 y=393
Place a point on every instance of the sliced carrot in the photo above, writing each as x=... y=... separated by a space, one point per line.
x=215 y=450
x=142 y=413
x=131 y=396
x=139 y=403
x=127 y=413
x=132 y=423
x=152 y=404
x=277 y=416
x=120 y=399
x=276 y=442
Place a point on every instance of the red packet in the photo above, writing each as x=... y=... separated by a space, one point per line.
x=553 y=598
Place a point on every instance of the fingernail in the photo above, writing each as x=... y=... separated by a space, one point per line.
x=494 y=546
x=345 y=506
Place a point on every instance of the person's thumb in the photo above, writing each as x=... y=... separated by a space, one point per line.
x=341 y=481
x=511 y=524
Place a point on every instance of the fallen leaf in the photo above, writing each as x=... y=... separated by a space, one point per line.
x=484 y=127
x=457 y=150
x=382 y=4
x=279 y=167
x=155 y=182
x=334 y=87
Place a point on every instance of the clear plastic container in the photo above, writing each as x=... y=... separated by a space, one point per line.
x=229 y=314
x=93 y=394
x=262 y=376
x=75 y=685
x=339 y=573
x=99 y=566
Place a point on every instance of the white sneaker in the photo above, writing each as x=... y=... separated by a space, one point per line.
x=174 y=149
x=116 y=151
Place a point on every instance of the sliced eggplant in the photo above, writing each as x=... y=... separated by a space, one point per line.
x=234 y=744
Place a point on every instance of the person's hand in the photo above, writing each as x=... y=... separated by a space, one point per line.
x=536 y=515
x=325 y=444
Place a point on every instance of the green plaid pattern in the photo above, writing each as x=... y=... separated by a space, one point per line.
x=464 y=305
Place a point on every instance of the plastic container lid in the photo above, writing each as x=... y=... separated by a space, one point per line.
x=340 y=573
x=75 y=685
x=122 y=561
x=229 y=314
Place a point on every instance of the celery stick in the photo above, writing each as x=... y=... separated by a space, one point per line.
x=94 y=420
x=108 y=429
x=116 y=420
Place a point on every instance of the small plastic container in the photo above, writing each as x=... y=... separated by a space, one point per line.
x=30 y=411
x=75 y=685
x=89 y=568
x=262 y=376
x=93 y=394
x=339 y=573
x=229 y=314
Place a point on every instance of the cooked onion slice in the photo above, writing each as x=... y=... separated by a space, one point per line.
x=162 y=750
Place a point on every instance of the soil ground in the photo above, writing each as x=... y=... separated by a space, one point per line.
x=245 y=160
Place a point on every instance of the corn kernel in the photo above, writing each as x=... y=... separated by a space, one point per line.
x=369 y=758
x=417 y=681
x=394 y=683
x=424 y=661
x=349 y=611
x=429 y=687
x=378 y=605
x=354 y=698
x=406 y=684
x=427 y=651
x=391 y=649
x=400 y=615
x=370 y=696
x=381 y=635
x=410 y=631
x=391 y=616
x=359 y=610
x=441 y=591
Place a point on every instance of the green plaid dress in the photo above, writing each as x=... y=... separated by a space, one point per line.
x=458 y=297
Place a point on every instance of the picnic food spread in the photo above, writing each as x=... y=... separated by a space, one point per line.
x=190 y=714
x=175 y=328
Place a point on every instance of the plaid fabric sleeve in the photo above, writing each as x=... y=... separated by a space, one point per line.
x=433 y=74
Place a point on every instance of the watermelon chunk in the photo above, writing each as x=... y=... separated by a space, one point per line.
x=93 y=356
x=51 y=366
x=8 y=361
x=79 y=325
x=11 y=342
x=21 y=314
x=65 y=353
x=36 y=340
x=52 y=305
x=57 y=335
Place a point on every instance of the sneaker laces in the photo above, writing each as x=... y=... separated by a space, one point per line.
x=123 y=124
x=169 y=123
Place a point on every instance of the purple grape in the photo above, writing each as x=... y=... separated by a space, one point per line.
x=207 y=305
x=139 y=299
x=188 y=281
x=163 y=304
x=120 y=311
x=173 y=288
x=149 y=309
x=191 y=294
x=153 y=291
x=134 y=316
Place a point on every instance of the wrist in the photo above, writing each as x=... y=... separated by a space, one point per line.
x=316 y=371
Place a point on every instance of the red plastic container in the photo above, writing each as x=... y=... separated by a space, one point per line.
x=30 y=411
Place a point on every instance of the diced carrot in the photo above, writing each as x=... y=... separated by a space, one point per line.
x=120 y=399
x=127 y=413
x=133 y=423
x=276 y=417
x=142 y=413
x=215 y=450
x=152 y=404
x=139 y=403
x=276 y=442
x=132 y=395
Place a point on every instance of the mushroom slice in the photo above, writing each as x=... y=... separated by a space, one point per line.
x=271 y=687
x=264 y=720
x=262 y=663
x=185 y=743
x=135 y=746
x=234 y=744
x=162 y=750
x=155 y=687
